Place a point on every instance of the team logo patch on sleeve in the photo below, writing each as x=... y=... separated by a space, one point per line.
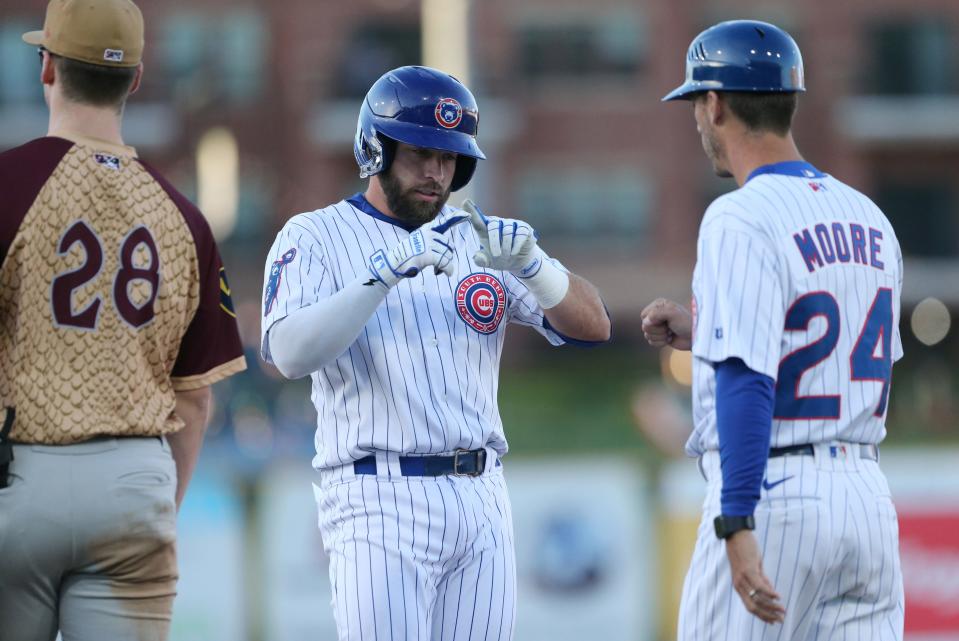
x=481 y=302
x=449 y=112
x=276 y=275
x=226 y=299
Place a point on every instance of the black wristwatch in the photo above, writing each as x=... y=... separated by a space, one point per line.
x=726 y=526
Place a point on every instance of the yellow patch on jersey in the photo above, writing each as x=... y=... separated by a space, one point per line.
x=226 y=301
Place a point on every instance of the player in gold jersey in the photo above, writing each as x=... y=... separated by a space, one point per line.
x=115 y=319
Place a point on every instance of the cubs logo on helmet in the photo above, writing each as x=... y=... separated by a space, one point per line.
x=449 y=112
x=481 y=302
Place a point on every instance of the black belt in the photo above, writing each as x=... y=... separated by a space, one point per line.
x=866 y=450
x=6 y=447
x=792 y=450
x=461 y=463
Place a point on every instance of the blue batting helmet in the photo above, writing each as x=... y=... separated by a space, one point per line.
x=419 y=106
x=741 y=55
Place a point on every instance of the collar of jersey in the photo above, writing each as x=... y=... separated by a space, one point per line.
x=96 y=143
x=359 y=201
x=798 y=168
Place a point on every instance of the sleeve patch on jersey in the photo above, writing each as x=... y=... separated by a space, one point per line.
x=226 y=300
x=276 y=275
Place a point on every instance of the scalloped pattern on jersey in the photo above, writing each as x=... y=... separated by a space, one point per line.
x=70 y=384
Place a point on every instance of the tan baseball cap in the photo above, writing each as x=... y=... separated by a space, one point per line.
x=100 y=32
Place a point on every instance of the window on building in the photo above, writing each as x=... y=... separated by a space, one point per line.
x=20 y=71
x=575 y=45
x=924 y=215
x=206 y=58
x=372 y=49
x=913 y=57
x=586 y=204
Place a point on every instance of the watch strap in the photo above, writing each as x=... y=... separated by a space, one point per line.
x=726 y=526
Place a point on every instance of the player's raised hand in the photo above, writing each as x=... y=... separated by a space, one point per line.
x=428 y=245
x=746 y=567
x=667 y=323
x=506 y=243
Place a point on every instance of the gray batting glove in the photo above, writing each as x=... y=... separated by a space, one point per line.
x=426 y=246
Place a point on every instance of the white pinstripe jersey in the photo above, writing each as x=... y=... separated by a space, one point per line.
x=800 y=276
x=422 y=377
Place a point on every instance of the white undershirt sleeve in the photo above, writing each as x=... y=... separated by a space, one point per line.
x=315 y=335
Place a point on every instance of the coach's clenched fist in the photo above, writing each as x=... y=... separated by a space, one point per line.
x=667 y=323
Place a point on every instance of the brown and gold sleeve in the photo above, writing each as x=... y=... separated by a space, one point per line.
x=211 y=349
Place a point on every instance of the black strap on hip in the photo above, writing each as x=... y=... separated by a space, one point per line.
x=6 y=447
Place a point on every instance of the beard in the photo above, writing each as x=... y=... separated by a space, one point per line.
x=403 y=203
x=715 y=151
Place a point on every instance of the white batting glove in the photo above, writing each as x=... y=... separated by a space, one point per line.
x=507 y=244
x=426 y=246
x=510 y=245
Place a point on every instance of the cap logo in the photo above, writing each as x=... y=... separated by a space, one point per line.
x=448 y=112
x=113 y=55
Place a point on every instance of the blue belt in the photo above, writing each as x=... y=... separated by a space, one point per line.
x=461 y=463
x=866 y=450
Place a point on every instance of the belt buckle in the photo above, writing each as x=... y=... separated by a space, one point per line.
x=480 y=463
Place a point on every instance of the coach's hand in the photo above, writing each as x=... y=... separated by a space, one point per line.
x=667 y=323
x=426 y=246
x=746 y=567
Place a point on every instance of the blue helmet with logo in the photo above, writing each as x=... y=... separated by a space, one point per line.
x=741 y=55
x=422 y=107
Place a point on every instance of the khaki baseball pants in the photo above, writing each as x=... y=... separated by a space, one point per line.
x=88 y=541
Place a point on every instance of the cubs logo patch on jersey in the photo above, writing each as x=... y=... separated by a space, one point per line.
x=276 y=274
x=449 y=113
x=481 y=302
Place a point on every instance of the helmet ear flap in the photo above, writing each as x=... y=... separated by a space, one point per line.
x=388 y=145
x=465 y=166
x=374 y=152
x=367 y=150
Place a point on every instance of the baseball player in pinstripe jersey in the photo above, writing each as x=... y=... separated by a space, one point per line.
x=794 y=329
x=396 y=305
